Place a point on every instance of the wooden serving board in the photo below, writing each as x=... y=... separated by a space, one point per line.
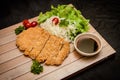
x=14 y=65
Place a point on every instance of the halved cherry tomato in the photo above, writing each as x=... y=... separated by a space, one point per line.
x=55 y=21
x=34 y=23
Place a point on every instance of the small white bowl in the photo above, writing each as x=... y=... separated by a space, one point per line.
x=87 y=36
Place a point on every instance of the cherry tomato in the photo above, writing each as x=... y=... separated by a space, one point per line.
x=55 y=21
x=27 y=25
x=25 y=22
x=34 y=23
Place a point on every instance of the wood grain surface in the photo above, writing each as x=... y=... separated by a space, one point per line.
x=14 y=65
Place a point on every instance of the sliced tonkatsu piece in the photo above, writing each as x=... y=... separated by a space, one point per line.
x=57 y=47
x=38 y=32
x=47 y=50
x=23 y=40
x=26 y=40
x=39 y=44
x=62 y=54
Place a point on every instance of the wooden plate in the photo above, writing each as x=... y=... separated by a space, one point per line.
x=14 y=65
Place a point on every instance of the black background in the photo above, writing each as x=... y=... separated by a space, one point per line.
x=104 y=15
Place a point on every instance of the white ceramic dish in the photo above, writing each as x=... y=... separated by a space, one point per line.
x=86 y=36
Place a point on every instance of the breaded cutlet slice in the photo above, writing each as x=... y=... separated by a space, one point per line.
x=38 y=32
x=27 y=39
x=54 y=52
x=57 y=45
x=62 y=54
x=39 y=44
x=47 y=50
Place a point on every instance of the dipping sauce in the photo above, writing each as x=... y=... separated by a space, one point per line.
x=87 y=45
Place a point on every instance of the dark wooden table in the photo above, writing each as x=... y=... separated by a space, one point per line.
x=104 y=15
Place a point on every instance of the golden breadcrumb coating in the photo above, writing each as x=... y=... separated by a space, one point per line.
x=39 y=44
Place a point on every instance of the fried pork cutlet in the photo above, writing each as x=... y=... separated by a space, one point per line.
x=59 y=58
x=38 y=44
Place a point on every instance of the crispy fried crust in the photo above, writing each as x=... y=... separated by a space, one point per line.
x=59 y=58
x=38 y=44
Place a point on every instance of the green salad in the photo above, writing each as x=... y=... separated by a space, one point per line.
x=68 y=16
